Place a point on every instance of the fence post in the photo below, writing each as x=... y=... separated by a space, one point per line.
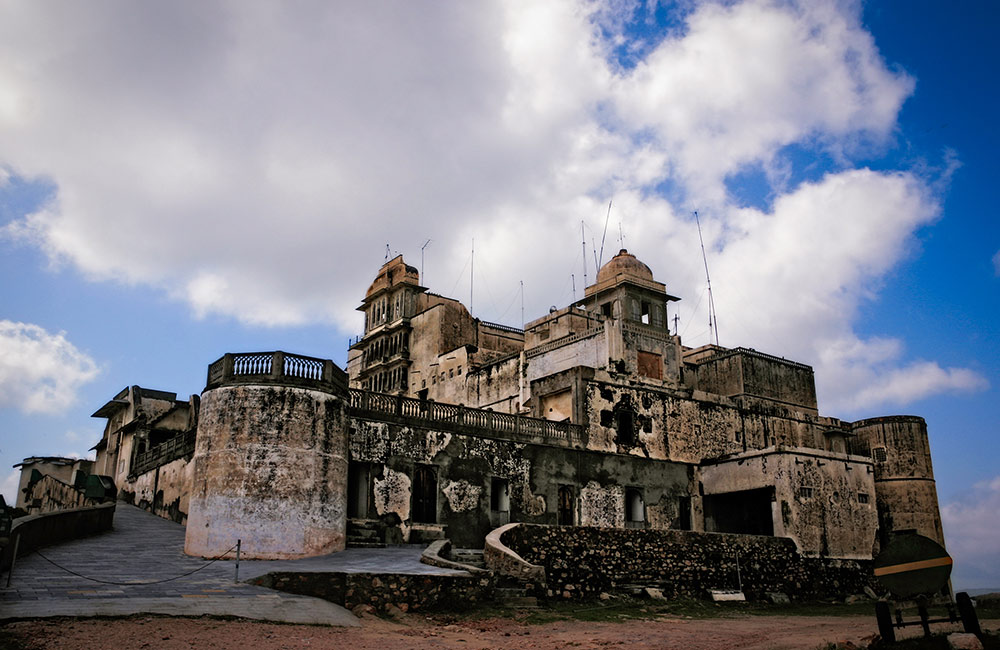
x=227 y=366
x=239 y=543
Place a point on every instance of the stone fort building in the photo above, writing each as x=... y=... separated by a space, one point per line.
x=446 y=426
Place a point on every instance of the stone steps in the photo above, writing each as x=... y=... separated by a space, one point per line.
x=469 y=556
x=363 y=533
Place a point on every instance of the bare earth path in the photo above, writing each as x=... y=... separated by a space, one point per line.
x=414 y=631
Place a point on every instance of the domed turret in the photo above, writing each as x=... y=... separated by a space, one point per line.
x=624 y=263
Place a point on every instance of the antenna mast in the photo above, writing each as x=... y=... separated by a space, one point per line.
x=387 y=252
x=605 y=236
x=522 y=304
x=422 y=260
x=573 y=278
x=583 y=238
x=472 y=274
x=713 y=323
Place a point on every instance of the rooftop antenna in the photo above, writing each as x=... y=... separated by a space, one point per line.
x=422 y=259
x=583 y=237
x=605 y=236
x=713 y=323
x=522 y=304
x=573 y=278
x=472 y=274
x=621 y=235
x=387 y=252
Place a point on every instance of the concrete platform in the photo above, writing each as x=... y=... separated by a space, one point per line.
x=143 y=556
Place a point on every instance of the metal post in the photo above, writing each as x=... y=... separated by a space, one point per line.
x=13 y=558
x=239 y=543
x=739 y=579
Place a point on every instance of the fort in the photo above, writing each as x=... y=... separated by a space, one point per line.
x=640 y=458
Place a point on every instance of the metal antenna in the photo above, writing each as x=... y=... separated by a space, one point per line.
x=522 y=304
x=387 y=252
x=583 y=237
x=713 y=323
x=605 y=236
x=422 y=259
x=573 y=278
x=472 y=274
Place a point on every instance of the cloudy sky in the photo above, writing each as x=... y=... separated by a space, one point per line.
x=178 y=180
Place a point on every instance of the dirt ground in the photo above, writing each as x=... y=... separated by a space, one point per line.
x=416 y=631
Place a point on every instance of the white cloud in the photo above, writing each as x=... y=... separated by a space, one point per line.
x=40 y=372
x=8 y=487
x=253 y=161
x=972 y=529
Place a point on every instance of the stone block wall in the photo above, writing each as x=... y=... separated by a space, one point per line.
x=582 y=562
x=383 y=591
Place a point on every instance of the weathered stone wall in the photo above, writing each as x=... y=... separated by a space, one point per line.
x=382 y=591
x=904 y=477
x=49 y=494
x=465 y=466
x=583 y=562
x=270 y=468
x=823 y=502
x=164 y=491
x=740 y=372
x=684 y=427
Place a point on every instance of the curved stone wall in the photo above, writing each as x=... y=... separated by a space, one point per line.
x=270 y=469
x=905 y=491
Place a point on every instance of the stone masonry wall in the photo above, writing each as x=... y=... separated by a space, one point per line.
x=581 y=562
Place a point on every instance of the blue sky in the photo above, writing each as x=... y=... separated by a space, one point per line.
x=181 y=181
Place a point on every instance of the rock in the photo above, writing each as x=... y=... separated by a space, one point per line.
x=393 y=611
x=654 y=593
x=870 y=593
x=605 y=596
x=778 y=598
x=363 y=610
x=964 y=641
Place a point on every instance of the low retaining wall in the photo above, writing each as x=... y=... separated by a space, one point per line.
x=37 y=531
x=581 y=562
x=384 y=590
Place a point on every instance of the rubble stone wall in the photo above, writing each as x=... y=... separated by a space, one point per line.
x=582 y=562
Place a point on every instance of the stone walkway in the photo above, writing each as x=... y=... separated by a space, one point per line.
x=144 y=552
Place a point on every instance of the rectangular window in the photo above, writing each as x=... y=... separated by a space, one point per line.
x=878 y=453
x=650 y=365
x=451 y=372
x=862 y=497
x=424 y=509
x=645 y=313
x=499 y=495
x=635 y=509
x=565 y=515
x=460 y=370
x=805 y=492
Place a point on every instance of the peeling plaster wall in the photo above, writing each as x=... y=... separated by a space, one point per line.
x=465 y=466
x=165 y=491
x=831 y=521
x=904 y=481
x=270 y=468
x=672 y=425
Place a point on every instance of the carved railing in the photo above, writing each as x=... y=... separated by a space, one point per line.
x=274 y=367
x=564 y=340
x=750 y=352
x=503 y=328
x=461 y=418
x=177 y=447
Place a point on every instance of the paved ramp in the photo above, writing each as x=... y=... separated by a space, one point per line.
x=140 y=567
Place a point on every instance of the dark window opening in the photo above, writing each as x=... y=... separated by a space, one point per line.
x=424 y=495
x=606 y=309
x=635 y=509
x=862 y=497
x=747 y=512
x=644 y=313
x=358 y=486
x=566 y=506
x=684 y=513
x=500 y=495
x=625 y=426
x=878 y=453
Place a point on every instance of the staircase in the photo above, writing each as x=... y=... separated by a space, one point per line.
x=469 y=556
x=363 y=533
x=513 y=594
